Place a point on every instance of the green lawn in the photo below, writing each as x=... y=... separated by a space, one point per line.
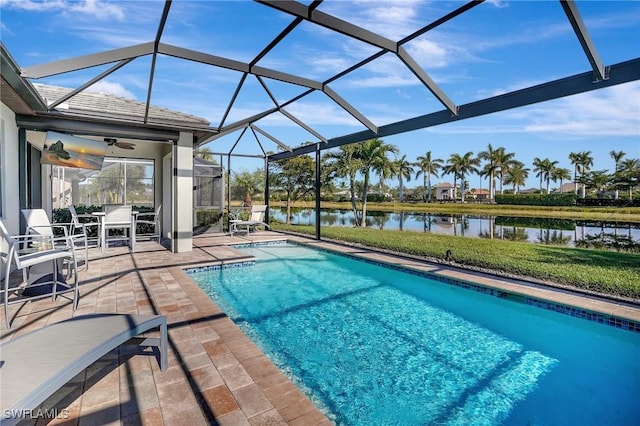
x=601 y=271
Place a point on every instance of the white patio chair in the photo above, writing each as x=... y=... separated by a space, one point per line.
x=27 y=252
x=86 y=222
x=38 y=223
x=256 y=219
x=151 y=219
x=116 y=217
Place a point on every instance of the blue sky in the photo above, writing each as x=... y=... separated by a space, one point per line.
x=497 y=47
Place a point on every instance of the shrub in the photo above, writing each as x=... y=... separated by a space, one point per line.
x=537 y=199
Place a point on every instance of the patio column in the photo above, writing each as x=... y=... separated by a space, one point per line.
x=182 y=188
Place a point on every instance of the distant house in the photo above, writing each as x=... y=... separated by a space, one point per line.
x=444 y=191
x=529 y=191
x=568 y=188
x=480 y=194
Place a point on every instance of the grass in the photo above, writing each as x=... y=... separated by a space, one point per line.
x=600 y=271
x=626 y=214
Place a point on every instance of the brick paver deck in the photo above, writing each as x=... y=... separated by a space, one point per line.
x=216 y=375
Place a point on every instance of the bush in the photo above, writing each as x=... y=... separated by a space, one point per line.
x=607 y=202
x=537 y=199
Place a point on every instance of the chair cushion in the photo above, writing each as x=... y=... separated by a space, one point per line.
x=34 y=289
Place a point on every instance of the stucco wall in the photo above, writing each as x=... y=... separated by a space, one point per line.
x=9 y=165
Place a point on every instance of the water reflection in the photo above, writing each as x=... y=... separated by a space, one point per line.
x=621 y=236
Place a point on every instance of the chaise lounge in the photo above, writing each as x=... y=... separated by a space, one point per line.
x=256 y=219
x=35 y=365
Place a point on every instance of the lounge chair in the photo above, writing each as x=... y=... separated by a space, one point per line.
x=256 y=219
x=38 y=363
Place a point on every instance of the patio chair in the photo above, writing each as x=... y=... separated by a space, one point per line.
x=256 y=219
x=37 y=364
x=27 y=253
x=116 y=217
x=153 y=222
x=38 y=223
x=86 y=221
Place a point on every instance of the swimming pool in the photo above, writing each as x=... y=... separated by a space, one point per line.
x=373 y=345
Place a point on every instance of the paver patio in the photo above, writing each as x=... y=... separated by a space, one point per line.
x=216 y=375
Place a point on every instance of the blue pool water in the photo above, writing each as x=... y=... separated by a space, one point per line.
x=377 y=346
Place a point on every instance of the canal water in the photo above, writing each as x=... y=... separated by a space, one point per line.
x=566 y=232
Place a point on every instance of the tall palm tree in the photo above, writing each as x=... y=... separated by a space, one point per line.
x=460 y=166
x=344 y=164
x=491 y=167
x=428 y=167
x=548 y=167
x=560 y=174
x=504 y=160
x=516 y=176
x=383 y=165
x=575 y=160
x=403 y=170
x=582 y=162
x=372 y=155
x=538 y=166
x=617 y=157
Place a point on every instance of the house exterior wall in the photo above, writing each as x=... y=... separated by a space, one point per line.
x=9 y=173
x=9 y=169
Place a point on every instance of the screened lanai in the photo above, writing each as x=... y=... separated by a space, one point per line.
x=270 y=80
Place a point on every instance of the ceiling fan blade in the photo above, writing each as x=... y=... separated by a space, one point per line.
x=125 y=145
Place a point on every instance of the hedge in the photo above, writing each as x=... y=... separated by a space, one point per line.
x=537 y=199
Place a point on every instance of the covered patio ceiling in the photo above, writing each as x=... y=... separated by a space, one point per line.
x=216 y=63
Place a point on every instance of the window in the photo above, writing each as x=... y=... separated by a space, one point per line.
x=121 y=181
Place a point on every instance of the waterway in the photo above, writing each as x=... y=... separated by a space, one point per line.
x=611 y=235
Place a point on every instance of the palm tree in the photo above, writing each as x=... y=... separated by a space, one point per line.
x=548 y=167
x=560 y=174
x=490 y=169
x=204 y=153
x=343 y=163
x=538 y=166
x=516 y=176
x=403 y=169
x=460 y=166
x=617 y=157
x=629 y=174
x=504 y=160
x=372 y=155
x=428 y=167
x=384 y=166
x=574 y=159
x=582 y=162
x=597 y=180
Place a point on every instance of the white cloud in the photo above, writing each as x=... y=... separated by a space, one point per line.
x=101 y=10
x=614 y=112
x=34 y=6
x=96 y=8
x=111 y=88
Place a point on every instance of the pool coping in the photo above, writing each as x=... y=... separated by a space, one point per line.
x=616 y=314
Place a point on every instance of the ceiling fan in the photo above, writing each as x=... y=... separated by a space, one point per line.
x=121 y=145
